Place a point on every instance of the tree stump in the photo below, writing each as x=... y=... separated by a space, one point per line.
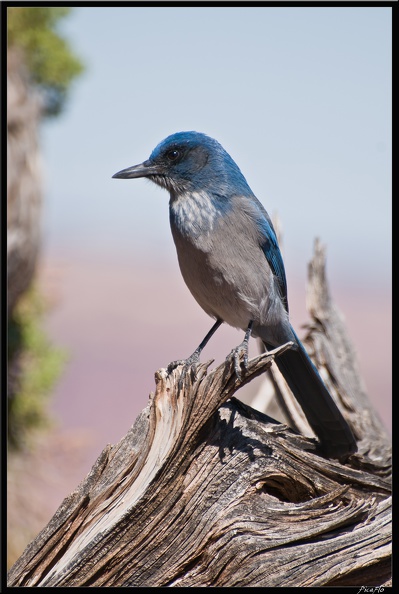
x=206 y=491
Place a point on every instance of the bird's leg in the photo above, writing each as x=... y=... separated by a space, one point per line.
x=192 y=361
x=240 y=353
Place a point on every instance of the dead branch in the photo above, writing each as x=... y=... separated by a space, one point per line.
x=206 y=491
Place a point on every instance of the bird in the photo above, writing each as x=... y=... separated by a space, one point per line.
x=230 y=260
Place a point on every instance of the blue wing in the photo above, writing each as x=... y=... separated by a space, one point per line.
x=273 y=255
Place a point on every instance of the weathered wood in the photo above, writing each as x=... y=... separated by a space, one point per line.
x=333 y=353
x=206 y=491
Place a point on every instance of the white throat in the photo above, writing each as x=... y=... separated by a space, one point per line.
x=194 y=212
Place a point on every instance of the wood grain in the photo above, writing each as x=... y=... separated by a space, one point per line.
x=206 y=491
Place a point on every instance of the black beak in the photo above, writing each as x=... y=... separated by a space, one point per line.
x=143 y=170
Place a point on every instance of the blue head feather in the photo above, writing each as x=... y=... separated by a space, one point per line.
x=192 y=161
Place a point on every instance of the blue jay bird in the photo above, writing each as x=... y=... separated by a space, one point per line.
x=230 y=260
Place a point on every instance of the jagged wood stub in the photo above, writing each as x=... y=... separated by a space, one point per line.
x=333 y=353
x=206 y=491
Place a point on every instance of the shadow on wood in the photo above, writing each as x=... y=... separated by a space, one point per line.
x=206 y=491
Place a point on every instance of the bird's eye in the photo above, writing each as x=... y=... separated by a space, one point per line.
x=172 y=155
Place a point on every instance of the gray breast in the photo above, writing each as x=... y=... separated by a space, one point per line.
x=223 y=265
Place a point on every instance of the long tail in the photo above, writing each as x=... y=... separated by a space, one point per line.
x=316 y=402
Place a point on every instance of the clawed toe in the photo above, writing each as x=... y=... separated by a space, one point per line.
x=240 y=358
x=240 y=354
x=189 y=366
x=175 y=364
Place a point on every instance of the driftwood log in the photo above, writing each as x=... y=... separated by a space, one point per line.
x=206 y=491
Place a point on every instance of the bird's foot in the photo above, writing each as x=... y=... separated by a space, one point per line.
x=189 y=366
x=240 y=358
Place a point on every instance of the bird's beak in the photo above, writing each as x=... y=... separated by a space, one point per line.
x=143 y=170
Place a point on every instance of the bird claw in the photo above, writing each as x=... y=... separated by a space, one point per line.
x=189 y=366
x=240 y=358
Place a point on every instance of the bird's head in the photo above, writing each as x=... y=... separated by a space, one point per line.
x=190 y=161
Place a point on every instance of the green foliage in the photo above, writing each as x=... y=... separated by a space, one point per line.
x=39 y=365
x=48 y=56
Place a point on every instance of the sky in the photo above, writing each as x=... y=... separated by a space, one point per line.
x=299 y=97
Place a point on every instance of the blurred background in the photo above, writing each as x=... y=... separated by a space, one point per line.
x=300 y=98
